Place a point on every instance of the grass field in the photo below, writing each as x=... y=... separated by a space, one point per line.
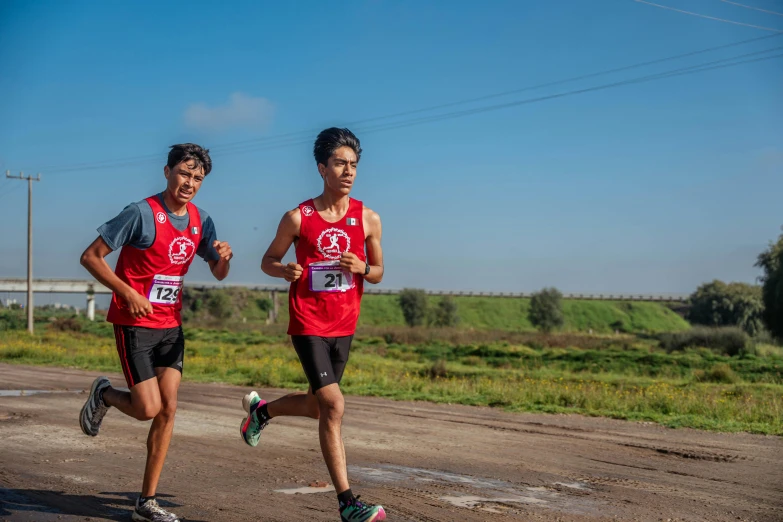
x=616 y=376
x=482 y=313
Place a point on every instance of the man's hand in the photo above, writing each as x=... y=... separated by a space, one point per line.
x=351 y=263
x=223 y=250
x=138 y=305
x=292 y=272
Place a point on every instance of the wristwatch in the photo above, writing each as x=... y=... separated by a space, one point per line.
x=366 y=268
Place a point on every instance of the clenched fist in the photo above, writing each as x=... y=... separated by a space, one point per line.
x=351 y=263
x=292 y=272
x=138 y=305
x=223 y=250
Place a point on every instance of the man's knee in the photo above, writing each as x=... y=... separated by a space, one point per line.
x=168 y=408
x=332 y=406
x=147 y=411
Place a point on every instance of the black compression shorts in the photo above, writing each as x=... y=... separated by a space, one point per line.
x=141 y=350
x=323 y=358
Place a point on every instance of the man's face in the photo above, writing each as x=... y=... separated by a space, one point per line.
x=340 y=170
x=184 y=180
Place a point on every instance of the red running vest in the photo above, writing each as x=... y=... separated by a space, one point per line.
x=325 y=301
x=158 y=272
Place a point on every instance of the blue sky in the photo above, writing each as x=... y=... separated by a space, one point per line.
x=649 y=188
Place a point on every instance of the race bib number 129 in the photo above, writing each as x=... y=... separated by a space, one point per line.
x=165 y=289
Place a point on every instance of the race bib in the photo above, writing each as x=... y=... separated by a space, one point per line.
x=165 y=289
x=327 y=276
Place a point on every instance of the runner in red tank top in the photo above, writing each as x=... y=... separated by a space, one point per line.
x=159 y=238
x=338 y=247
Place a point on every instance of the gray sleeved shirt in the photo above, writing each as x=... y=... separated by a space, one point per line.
x=135 y=226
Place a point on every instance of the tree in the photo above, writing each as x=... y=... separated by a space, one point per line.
x=413 y=303
x=445 y=314
x=546 y=310
x=734 y=304
x=771 y=262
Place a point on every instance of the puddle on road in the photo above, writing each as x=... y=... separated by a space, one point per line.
x=25 y=393
x=574 y=485
x=494 y=493
x=469 y=501
x=305 y=490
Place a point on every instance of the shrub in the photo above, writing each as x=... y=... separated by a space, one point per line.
x=438 y=369
x=729 y=340
x=546 y=310
x=413 y=303
x=445 y=314
x=720 y=373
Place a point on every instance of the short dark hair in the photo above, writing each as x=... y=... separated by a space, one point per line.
x=331 y=139
x=190 y=151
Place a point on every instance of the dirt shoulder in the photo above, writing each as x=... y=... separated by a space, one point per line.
x=423 y=462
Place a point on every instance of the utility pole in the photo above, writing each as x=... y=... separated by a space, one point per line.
x=29 y=180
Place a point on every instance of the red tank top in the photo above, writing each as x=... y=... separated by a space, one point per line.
x=158 y=272
x=325 y=301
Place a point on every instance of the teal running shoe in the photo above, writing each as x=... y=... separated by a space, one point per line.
x=252 y=425
x=356 y=511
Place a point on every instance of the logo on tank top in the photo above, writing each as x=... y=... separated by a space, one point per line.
x=181 y=250
x=333 y=242
x=307 y=210
x=161 y=217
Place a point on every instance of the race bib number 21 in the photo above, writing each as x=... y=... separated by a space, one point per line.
x=329 y=278
x=165 y=289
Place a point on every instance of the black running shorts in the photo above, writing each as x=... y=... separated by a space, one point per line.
x=323 y=358
x=141 y=350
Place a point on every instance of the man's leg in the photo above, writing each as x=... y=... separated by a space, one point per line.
x=332 y=405
x=135 y=349
x=168 y=380
x=297 y=404
x=142 y=402
x=313 y=353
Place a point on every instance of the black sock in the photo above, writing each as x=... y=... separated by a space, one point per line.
x=345 y=498
x=144 y=500
x=263 y=412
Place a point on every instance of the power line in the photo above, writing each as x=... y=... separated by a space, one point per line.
x=753 y=8
x=708 y=17
x=716 y=64
x=284 y=139
x=10 y=191
x=707 y=66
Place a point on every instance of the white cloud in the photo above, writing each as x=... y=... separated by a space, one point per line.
x=240 y=111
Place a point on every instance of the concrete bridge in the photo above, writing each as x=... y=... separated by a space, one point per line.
x=91 y=287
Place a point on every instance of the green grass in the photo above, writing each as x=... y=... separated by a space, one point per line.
x=475 y=312
x=615 y=376
x=499 y=313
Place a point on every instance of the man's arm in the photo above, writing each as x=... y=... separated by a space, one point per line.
x=372 y=231
x=93 y=259
x=220 y=267
x=287 y=232
x=216 y=253
x=374 y=250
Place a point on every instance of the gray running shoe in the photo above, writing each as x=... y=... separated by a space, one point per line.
x=150 y=511
x=94 y=409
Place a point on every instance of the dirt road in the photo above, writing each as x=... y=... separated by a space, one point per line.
x=423 y=462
